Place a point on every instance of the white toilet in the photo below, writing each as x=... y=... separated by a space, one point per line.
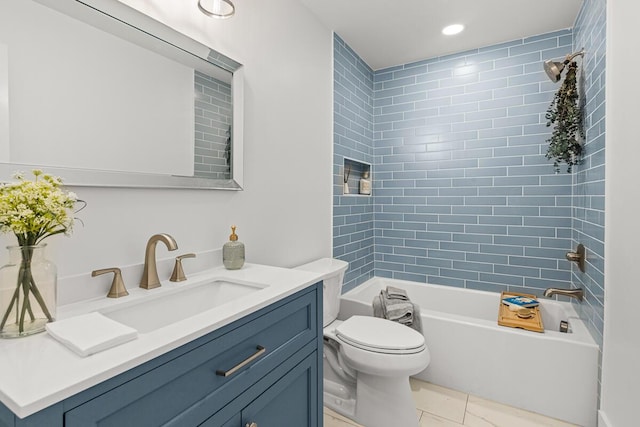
x=367 y=360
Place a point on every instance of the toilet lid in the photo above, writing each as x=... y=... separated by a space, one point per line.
x=376 y=334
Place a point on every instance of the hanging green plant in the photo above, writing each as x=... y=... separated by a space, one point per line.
x=566 y=116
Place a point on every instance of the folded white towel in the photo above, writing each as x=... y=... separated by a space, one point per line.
x=90 y=333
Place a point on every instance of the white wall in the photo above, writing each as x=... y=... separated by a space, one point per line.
x=71 y=104
x=621 y=350
x=4 y=101
x=284 y=213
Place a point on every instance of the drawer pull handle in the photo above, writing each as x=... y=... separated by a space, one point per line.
x=254 y=356
x=252 y=425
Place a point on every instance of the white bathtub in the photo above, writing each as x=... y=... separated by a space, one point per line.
x=551 y=373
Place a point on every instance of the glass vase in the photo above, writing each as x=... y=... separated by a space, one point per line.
x=28 y=286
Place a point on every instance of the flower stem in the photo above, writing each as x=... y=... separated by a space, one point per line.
x=27 y=279
x=25 y=303
x=14 y=298
x=27 y=284
x=36 y=293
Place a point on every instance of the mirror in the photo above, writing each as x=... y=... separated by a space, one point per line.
x=103 y=95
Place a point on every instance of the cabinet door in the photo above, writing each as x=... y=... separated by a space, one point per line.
x=186 y=390
x=235 y=421
x=291 y=401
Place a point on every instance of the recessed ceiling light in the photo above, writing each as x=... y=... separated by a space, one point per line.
x=452 y=29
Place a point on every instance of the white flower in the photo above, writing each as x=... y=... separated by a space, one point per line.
x=35 y=210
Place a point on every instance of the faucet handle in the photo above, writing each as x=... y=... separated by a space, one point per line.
x=117 y=285
x=178 y=271
x=579 y=256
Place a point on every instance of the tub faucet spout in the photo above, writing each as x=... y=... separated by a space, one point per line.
x=573 y=293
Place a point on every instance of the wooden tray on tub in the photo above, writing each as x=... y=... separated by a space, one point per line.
x=511 y=319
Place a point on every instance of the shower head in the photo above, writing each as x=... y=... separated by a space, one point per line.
x=554 y=69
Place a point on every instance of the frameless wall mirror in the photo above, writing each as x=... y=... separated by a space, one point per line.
x=103 y=95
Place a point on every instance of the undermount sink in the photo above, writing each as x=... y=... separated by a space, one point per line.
x=156 y=311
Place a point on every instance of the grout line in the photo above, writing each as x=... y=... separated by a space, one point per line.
x=466 y=404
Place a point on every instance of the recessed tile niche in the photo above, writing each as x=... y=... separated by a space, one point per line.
x=353 y=173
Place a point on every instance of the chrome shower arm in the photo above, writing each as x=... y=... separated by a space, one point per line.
x=570 y=57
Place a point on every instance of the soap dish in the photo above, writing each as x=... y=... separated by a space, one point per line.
x=525 y=313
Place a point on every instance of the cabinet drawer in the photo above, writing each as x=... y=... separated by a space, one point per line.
x=158 y=396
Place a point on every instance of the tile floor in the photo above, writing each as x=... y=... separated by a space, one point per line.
x=441 y=407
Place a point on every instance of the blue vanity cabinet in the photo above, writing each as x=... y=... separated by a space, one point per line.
x=293 y=400
x=280 y=385
x=288 y=402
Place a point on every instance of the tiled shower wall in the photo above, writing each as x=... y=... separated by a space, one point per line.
x=588 y=192
x=353 y=139
x=464 y=195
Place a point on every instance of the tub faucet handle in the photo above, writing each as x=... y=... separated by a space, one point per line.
x=579 y=256
x=117 y=285
x=178 y=271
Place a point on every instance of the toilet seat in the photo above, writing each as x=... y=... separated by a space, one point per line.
x=379 y=336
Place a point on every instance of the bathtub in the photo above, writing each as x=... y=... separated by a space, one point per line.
x=551 y=373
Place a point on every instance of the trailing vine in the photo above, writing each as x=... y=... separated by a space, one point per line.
x=566 y=116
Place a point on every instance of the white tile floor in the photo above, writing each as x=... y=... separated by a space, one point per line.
x=441 y=407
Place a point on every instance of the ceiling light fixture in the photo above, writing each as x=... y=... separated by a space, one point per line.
x=451 y=30
x=217 y=8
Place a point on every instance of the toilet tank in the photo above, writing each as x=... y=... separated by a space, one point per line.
x=332 y=274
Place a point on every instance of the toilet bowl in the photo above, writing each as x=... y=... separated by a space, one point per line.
x=367 y=360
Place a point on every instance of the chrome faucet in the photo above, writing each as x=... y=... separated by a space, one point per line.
x=573 y=293
x=150 y=278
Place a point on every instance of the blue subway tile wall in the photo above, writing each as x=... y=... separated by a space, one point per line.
x=588 y=196
x=213 y=116
x=353 y=236
x=463 y=195
x=459 y=147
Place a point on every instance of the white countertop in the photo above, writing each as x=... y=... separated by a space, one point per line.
x=38 y=371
